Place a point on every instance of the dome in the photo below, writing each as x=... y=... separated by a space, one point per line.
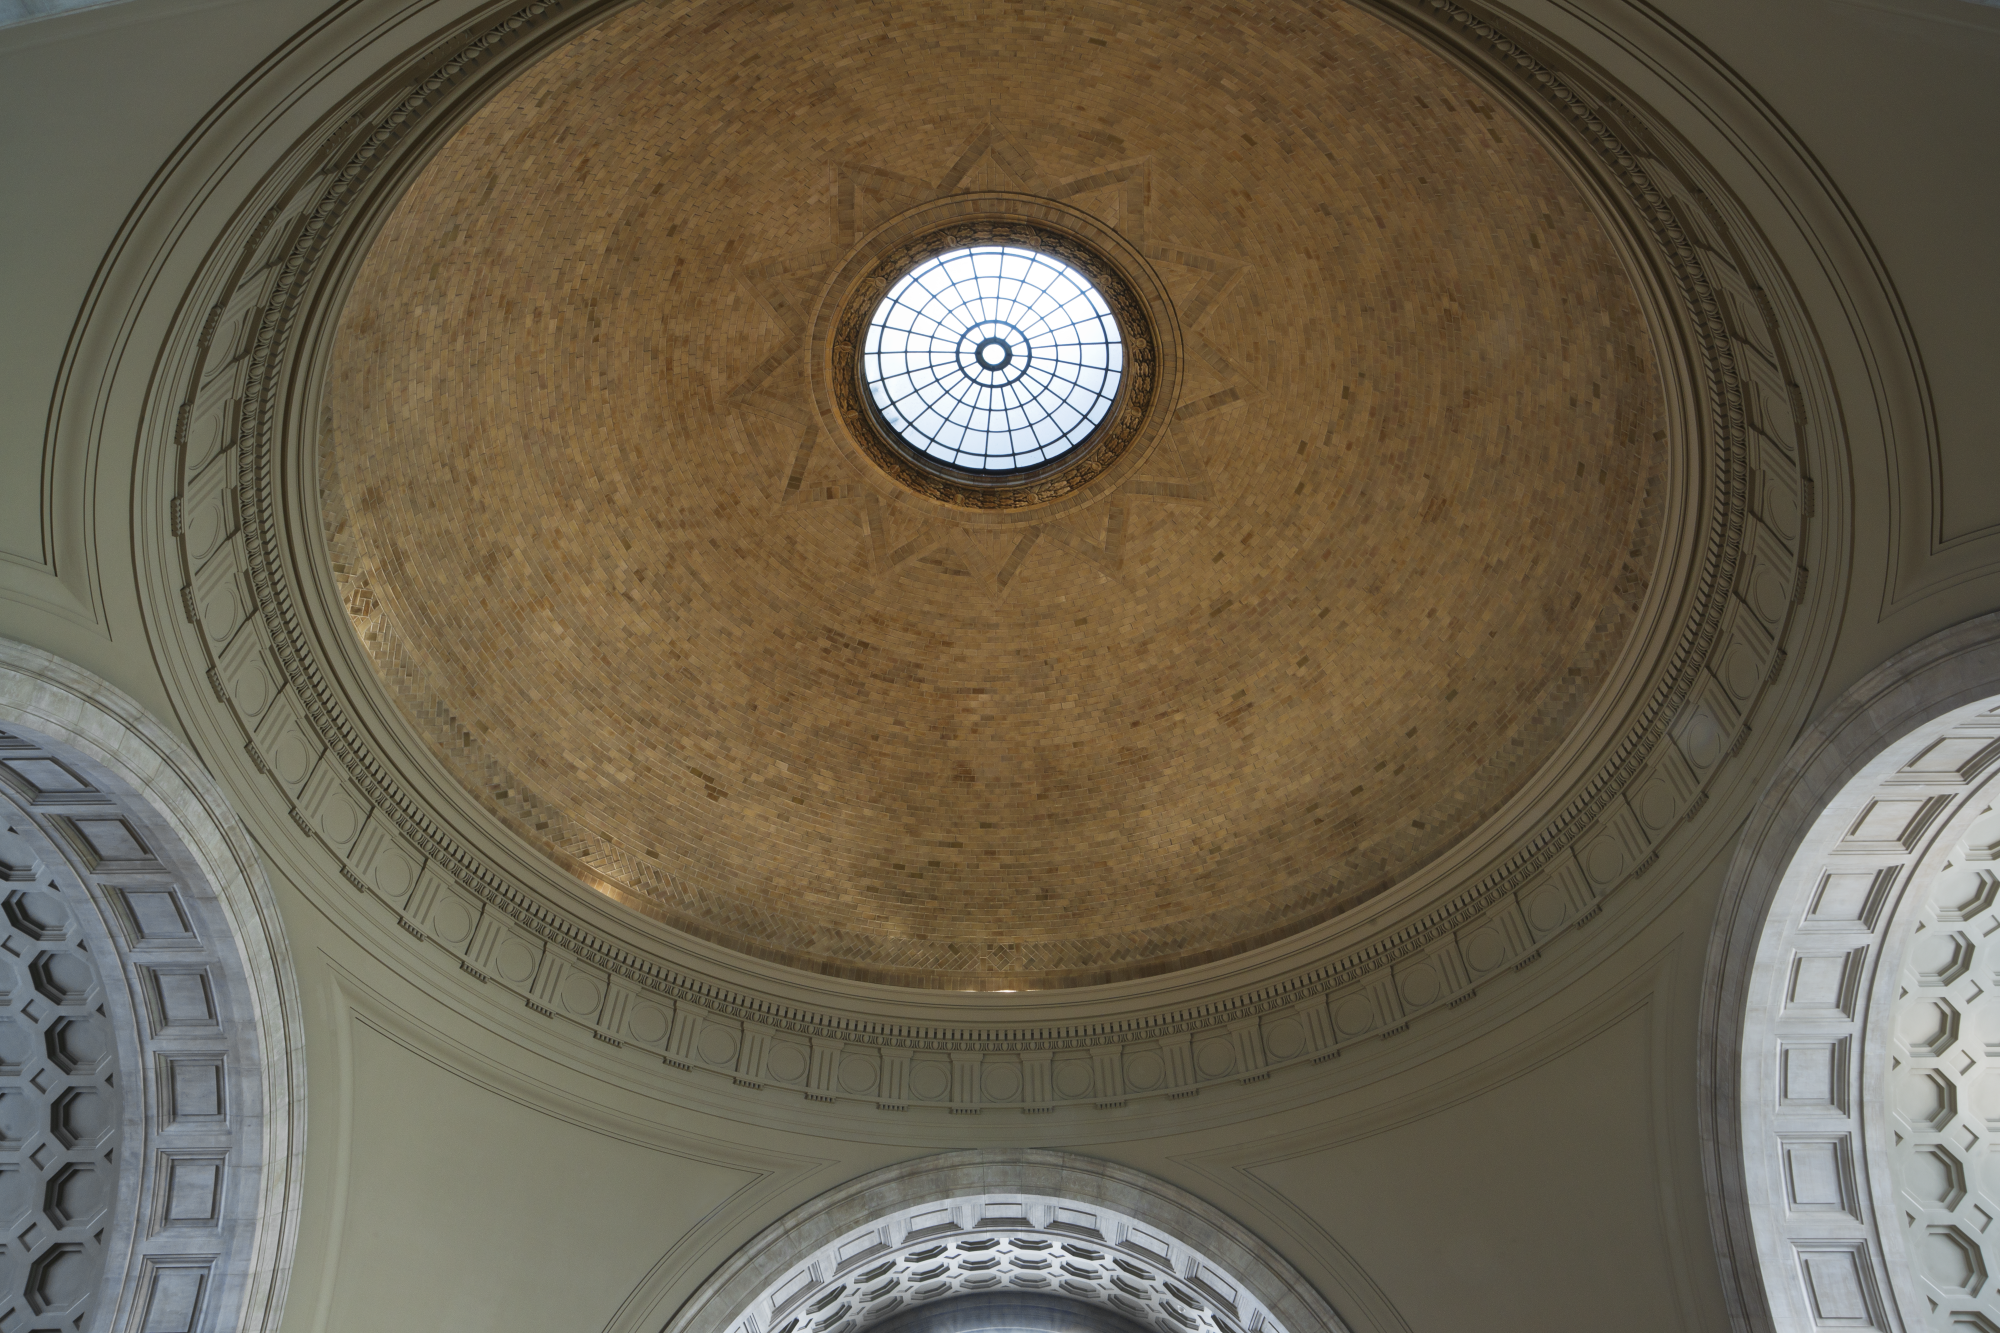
x=1370 y=549
x=537 y=802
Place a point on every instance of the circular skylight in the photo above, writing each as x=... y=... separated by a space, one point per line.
x=993 y=358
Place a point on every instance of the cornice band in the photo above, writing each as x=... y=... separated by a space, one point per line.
x=265 y=311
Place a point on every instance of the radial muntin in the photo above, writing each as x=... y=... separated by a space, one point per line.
x=993 y=359
x=998 y=365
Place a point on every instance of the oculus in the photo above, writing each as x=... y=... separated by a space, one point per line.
x=997 y=363
x=993 y=359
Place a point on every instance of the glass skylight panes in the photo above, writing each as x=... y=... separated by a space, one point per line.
x=993 y=358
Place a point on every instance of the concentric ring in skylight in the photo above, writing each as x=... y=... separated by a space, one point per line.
x=993 y=358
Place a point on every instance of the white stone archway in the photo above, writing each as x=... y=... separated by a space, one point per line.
x=1848 y=976
x=138 y=930
x=1029 y=1222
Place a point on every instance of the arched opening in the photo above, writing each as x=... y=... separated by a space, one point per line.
x=1855 y=961
x=150 y=1091
x=1010 y=1312
x=1035 y=1241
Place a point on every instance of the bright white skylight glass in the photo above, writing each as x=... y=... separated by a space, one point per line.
x=993 y=358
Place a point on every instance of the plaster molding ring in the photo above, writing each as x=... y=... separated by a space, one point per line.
x=268 y=575
x=1140 y=418
x=1575 y=818
x=1027 y=1220
x=283 y=275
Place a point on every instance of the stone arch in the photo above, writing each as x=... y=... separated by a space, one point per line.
x=1845 y=883
x=152 y=1082
x=1030 y=1222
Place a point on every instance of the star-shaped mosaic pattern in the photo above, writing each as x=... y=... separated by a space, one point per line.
x=1118 y=194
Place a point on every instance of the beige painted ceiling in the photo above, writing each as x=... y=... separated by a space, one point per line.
x=589 y=534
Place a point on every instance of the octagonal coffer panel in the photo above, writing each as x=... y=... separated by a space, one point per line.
x=76 y=1195
x=61 y=1109
x=132 y=1093
x=1928 y=1026
x=1943 y=1076
x=62 y=978
x=37 y=914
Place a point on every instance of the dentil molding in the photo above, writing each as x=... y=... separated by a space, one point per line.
x=252 y=614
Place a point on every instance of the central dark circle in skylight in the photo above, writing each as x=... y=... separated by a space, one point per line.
x=997 y=363
x=993 y=358
x=994 y=353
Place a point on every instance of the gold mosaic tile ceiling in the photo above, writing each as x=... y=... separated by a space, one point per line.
x=595 y=539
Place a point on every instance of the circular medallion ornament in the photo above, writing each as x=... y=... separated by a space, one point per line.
x=998 y=355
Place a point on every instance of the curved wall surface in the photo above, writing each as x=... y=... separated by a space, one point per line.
x=1753 y=430
x=1469 y=1099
